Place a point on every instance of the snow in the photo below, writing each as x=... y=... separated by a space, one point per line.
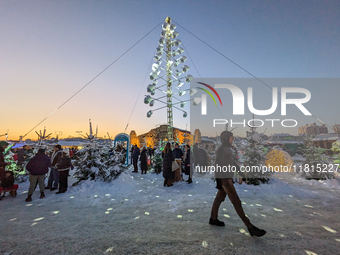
x=136 y=214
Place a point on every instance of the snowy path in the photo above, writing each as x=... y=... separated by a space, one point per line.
x=135 y=214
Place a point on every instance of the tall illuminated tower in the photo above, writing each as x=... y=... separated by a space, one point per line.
x=169 y=71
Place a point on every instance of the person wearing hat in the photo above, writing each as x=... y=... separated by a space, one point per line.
x=53 y=179
x=225 y=185
x=38 y=168
x=63 y=168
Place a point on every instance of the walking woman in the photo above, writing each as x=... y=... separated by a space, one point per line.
x=225 y=186
x=143 y=161
x=167 y=156
x=64 y=167
x=187 y=163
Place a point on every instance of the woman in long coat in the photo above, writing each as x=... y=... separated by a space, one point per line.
x=187 y=163
x=143 y=161
x=167 y=156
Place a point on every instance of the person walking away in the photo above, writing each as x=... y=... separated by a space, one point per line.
x=135 y=155
x=22 y=155
x=144 y=160
x=187 y=163
x=64 y=168
x=225 y=186
x=38 y=168
x=132 y=149
x=53 y=179
x=168 y=157
x=178 y=155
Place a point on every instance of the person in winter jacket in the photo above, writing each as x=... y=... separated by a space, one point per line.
x=22 y=155
x=135 y=155
x=131 y=151
x=144 y=161
x=7 y=185
x=188 y=168
x=178 y=155
x=64 y=167
x=168 y=157
x=38 y=168
x=53 y=179
x=225 y=185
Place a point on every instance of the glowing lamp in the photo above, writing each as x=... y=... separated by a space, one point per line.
x=192 y=91
x=196 y=101
x=185 y=68
x=147 y=99
x=161 y=41
x=175 y=35
x=149 y=113
x=150 y=88
x=188 y=78
x=181 y=93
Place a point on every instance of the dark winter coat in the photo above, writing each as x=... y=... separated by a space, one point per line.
x=39 y=164
x=7 y=182
x=201 y=157
x=167 y=165
x=55 y=158
x=65 y=164
x=136 y=153
x=21 y=156
x=143 y=160
x=2 y=163
x=224 y=158
x=177 y=152
x=151 y=152
x=188 y=169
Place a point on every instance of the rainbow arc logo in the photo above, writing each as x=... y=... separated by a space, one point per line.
x=209 y=93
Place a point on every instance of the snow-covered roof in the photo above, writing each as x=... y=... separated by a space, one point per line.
x=327 y=137
x=207 y=140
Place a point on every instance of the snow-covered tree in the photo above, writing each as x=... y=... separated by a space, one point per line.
x=254 y=157
x=158 y=161
x=92 y=164
x=336 y=148
x=19 y=171
x=316 y=162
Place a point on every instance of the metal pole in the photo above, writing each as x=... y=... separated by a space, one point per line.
x=169 y=80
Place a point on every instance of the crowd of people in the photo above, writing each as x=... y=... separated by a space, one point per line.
x=57 y=165
x=175 y=162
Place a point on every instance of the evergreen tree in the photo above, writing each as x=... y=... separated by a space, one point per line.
x=315 y=161
x=19 y=171
x=158 y=161
x=93 y=164
x=336 y=148
x=254 y=157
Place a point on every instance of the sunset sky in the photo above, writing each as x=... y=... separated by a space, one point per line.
x=51 y=49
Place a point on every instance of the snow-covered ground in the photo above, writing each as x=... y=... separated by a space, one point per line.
x=135 y=214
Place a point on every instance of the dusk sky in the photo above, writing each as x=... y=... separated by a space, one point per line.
x=51 y=49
